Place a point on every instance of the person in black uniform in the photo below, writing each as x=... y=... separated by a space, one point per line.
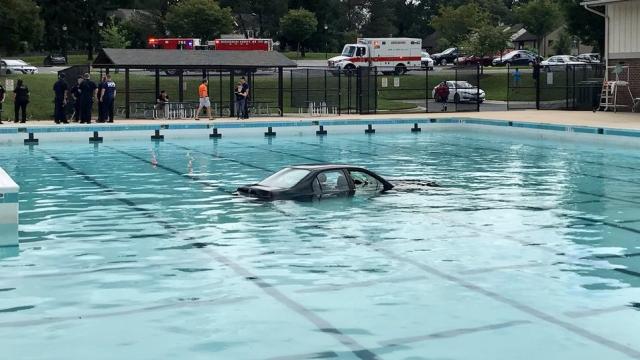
x=60 y=90
x=20 y=100
x=101 y=89
x=88 y=91
x=108 y=98
x=2 y=95
x=75 y=95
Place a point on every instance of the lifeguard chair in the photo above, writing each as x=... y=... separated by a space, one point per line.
x=610 y=89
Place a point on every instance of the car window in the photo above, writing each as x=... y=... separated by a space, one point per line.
x=361 y=51
x=285 y=178
x=331 y=182
x=448 y=51
x=348 y=50
x=560 y=60
x=365 y=183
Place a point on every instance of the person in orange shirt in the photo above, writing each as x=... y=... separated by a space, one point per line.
x=203 y=93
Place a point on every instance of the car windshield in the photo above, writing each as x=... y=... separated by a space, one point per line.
x=348 y=50
x=425 y=54
x=463 y=85
x=448 y=51
x=285 y=178
x=572 y=58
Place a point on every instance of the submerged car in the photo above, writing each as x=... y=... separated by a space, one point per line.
x=315 y=181
x=462 y=91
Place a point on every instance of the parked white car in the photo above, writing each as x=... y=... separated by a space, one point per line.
x=558 y=62
x=8 y=66
x=426 y=62
x=462 y=91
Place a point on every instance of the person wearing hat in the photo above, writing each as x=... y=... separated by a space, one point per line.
x=60 y=100
x=88 y=92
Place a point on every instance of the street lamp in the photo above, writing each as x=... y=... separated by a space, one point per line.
x=325 y=40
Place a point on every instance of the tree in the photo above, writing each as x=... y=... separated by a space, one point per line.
x=140 y=27
x=298 y=25
x=584 y=24
x=114 y=36
x=20 y=25
x=455 y=24
x=563 y=45
x=539 y=17
x=203 y=19
x=486 y=40
x=380 y=23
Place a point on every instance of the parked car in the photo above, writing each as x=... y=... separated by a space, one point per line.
x=517 y=57
x=559 y=62
x=426 y=62
x=473 y=60
x=462 y=91
x=55 y=59
x=590 y=58
x=446 y=57
x=9 y=66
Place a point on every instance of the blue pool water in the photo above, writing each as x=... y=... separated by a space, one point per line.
x=529 y=250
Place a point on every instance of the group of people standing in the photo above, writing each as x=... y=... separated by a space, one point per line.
x=20 y=101
x=82 y=96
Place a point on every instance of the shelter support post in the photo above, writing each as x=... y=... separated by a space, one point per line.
x=157 y=82
x=232 y=96
x=180 y=86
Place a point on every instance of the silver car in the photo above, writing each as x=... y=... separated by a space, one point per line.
x=8 y=66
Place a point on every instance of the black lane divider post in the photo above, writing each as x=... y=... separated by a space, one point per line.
x=215 y=134
x=370 y=130
x=156 y=136
x=322 y=131
x=95 y=138
x=415 y=128
x=31 y=140
x=270 y=132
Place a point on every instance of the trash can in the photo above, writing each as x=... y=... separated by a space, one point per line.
x=588 y=94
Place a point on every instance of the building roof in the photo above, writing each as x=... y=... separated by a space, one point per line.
x=601 y=2
x=190 y=59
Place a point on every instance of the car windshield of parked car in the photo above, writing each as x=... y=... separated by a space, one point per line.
x=348 y=50
x=448 y=51
x=285 y=178
x=463 y=85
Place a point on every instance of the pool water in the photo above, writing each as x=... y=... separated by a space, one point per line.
x=135 y=250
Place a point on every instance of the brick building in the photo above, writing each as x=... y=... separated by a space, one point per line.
x=622 y=39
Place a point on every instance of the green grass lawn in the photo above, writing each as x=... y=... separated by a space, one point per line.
x=38 y=60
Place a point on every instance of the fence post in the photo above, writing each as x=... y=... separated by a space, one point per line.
x=280 y=91
x=220 y=91
x=566 y=91
x=426 y=88
x=478 y=67
x=339 y=93
x=375 y=88
x=127 y=94
x=509 y=83
x=536 y=77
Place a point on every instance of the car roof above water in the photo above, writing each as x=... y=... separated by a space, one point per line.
x=324 y=166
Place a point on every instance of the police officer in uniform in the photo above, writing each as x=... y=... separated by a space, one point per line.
x=2 y=97
x=60 y=90
x=88 y=91
x=107 y=99
x=101 y=89
x=75 y=95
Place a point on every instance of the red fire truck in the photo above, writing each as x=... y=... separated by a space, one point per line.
x=243 y=44
x=174 y=43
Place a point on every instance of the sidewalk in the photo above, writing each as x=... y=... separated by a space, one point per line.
x=621 y=120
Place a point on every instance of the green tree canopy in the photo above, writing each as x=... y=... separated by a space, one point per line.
x=584 y=24
x=140 y=27
x=455 y=24
x=381 y=14
x=203 y=19
x=20 y=25
x=298 y=25
x=114 y=36
x=486 y=40
x=539 y=17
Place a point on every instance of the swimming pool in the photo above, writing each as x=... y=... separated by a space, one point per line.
x=530 y=249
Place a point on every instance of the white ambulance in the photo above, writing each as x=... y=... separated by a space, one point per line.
x=389 y=55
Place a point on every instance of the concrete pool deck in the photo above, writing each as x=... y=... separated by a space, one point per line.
x=622 y=120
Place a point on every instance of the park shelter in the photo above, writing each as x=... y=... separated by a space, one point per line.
x=179 y=62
